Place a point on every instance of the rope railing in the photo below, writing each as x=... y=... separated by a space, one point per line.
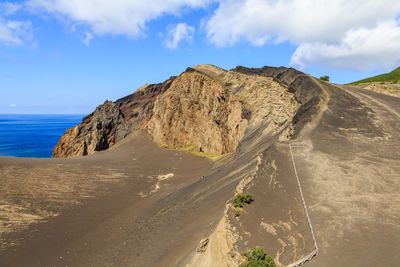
x=315 y=251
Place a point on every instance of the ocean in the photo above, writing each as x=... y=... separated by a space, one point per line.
x=33 y=136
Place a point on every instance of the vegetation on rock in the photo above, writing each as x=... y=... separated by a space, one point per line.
x=242 y=199
x=257 y=257
x=324 y=78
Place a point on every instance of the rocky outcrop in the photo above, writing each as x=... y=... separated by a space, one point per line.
x=98 y=131
x=197 y=111
x=110 y=122
x=206 y=109
x=308 y=92
x=139 y=105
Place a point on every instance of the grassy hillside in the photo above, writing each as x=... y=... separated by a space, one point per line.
x=387 y=77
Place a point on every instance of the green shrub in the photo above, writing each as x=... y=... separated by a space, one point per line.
x=324 y=78
x=395 y=82
x=237 y=213
x=242 y=199
x=256 y=257
x=382 y=83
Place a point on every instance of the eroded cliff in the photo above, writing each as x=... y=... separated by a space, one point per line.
x=205 y=109
x=197 y=111
x=110 y=122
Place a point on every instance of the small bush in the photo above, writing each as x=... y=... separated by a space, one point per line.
x=256 y=257
x=324 y=78
x=382 y=83
x=236 y=214
x=242 y=199
x=395 y=82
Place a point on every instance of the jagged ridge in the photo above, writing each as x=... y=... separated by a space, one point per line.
x=205 y=107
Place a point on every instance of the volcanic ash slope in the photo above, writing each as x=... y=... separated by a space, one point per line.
x=120 y=199
x=238 y=114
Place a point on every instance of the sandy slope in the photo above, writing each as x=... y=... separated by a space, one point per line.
x=139 y=205
x=79 y=212
x=351 y=174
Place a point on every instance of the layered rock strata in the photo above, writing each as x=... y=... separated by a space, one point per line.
x=206 y=109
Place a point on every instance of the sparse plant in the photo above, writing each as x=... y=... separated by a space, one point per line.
x=236 y=213
x=257 y=257
x=395 y=82
x=382 y=83
x=324 y=78
x=242 y=199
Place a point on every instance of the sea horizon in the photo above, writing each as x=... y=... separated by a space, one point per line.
x=33 y=135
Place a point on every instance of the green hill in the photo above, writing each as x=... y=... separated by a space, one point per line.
x=393 y=76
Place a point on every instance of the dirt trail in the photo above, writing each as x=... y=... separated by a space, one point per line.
x=139 y=205
x=351 y=182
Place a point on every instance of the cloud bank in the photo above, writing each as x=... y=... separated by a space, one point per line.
x=350 y=34
x=126 y=17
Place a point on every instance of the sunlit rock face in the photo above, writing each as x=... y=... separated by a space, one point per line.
x=206 y=109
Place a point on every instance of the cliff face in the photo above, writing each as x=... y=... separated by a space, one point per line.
x=205 y=108
x=98 y=131
x=110 y=122
x=308 y=92
x=197 y=111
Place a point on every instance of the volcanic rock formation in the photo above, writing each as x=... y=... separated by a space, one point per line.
x=206 y=109
x=332 y=185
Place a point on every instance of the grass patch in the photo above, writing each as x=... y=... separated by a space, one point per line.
x=236 y=213
x=257 y=257
x=242 y=199
x=387 y=77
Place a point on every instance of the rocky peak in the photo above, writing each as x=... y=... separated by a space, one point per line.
x=206 y=108
x=197 y=111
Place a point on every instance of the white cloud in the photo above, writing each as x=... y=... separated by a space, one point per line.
x=8 y=8
x=87 y=38
x=334 y=32
x=127 y=17
x=13 y=105
x=361 y=49
x=352 y=34
x=178 y=33
x=15 y=32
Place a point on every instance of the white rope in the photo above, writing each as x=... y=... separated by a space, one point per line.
x=315 y=251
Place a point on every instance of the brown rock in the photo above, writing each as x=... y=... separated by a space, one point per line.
x=110 y=122
x=197 y=111
x=202 y=247
x=205 y=109
x=98 y=131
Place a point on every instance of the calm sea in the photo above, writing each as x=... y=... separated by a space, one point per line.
x=33 y=135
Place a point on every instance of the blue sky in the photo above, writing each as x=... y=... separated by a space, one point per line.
x=59 y=56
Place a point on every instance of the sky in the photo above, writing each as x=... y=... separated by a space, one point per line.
x=69 y=56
